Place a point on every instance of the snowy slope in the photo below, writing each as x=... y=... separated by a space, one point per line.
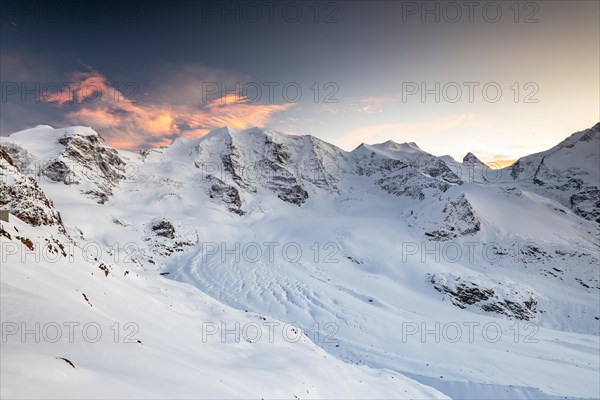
x=108 y=328
x=378 y=255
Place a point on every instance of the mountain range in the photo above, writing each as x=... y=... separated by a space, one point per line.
x=255 y=263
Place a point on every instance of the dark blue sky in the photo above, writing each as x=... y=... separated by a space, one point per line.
x=157 y=70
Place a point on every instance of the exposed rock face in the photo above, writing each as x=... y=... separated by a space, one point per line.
x=410 y=177
x=287 y=188
x=438 y=169
x=232 y=165
x=164 y=228
x=228 y=194
x=256 y=158
x=6 y=157
x=89 y=159
x=164 y=240
x=460 y=220
x=22 y=196
x=586 y=204
x=412 y=183
x=277 y=178
x=59 y=171
x=513 y=302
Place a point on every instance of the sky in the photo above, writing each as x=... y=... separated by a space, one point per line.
x=500 y=79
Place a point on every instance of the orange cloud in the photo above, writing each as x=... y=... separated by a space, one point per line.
x=241 y=114
x=81 y=86
x=128 y=124
x=162 y=123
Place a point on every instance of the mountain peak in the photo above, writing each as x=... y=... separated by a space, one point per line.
x=46 y=131
x=390 y=144
x=46 y=142
x=220 y=131
x=471 y=158
x=392 y=150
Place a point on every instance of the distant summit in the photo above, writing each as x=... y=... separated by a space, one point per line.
x=471 y=158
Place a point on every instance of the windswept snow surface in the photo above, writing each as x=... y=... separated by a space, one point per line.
x=399 y=274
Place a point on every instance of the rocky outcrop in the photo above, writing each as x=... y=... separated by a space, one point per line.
x=460 y=220
x=244 y=162
x=163 y=228
x=87 y=159
x=412 y=176
x=505 y=299
x=22 y=196
x=438 y=169
x=411 y=183
x=163 y=239
x=414 y=181
x=273 y=173
x=586 y=204
x=225 y=193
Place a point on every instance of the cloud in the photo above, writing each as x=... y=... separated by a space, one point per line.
x=397 y=131
x=159 y=116
x=89 y=86
x=238 y=114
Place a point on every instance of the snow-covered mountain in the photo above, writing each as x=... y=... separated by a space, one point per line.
x=569 y=172
x=73 y=156
x=402 y=274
